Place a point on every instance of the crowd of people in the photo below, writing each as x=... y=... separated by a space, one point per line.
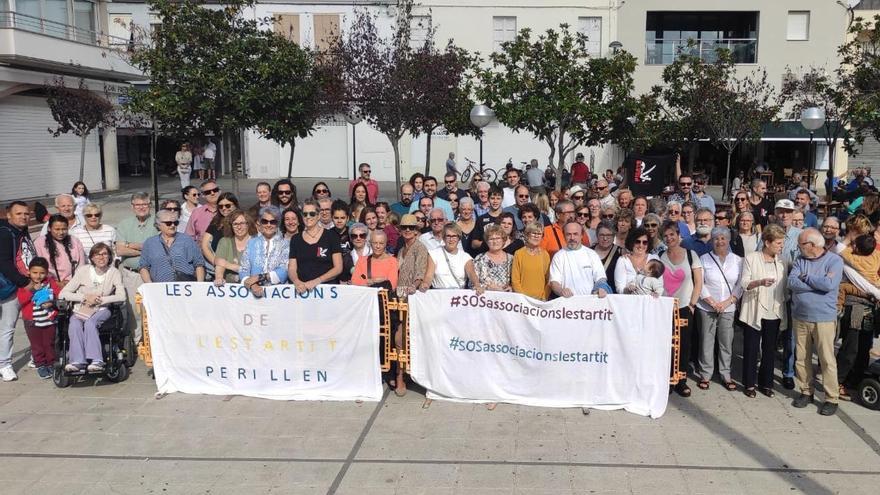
x=765 y=266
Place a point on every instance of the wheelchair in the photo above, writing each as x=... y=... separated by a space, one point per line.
x=869 y=388
x=116 y=343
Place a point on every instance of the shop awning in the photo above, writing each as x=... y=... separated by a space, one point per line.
x=790 y=130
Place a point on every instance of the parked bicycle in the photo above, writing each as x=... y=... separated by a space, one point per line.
x=489 y=174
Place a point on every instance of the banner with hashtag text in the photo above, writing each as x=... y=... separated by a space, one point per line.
x=606 y=353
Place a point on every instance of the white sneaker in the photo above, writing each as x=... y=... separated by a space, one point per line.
x=31 y=363
x=8 y=374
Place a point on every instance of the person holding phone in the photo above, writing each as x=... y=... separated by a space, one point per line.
x=762 y=313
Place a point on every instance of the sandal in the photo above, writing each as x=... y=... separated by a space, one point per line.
x=750 y=392
x=682 y=389
x=730 y=386
x=768 y=391
x=704 y=384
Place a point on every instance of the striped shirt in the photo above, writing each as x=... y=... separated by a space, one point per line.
x=88 y=238
x=158 y=258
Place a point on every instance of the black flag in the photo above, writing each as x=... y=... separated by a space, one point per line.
x=646 y=175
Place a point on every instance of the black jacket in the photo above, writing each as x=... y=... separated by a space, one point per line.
x=16 y=252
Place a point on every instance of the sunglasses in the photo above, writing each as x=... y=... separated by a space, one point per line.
x=421 y=219
x=651 y=225
x=358 y=236
x=608 y=216
x=366 y=171
x=224 y=206
x=267 y=221
x=523 y=196
x=720 y=217
x=172 y=223
x=641 y=242
x=409 y=227
x=449 y=181
x=98 y=215
x=322 y=191
x=310 y=214
x=583 y=215
x=208 y=192
x=741 y=199
x=285 y=193
x=683 y=184
x=601 y=188
x=578 y=197
x=436 y=220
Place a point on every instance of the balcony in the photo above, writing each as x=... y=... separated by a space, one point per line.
x=666 y=51
x=34 y=43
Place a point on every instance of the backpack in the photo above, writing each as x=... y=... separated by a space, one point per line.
x=7 y=287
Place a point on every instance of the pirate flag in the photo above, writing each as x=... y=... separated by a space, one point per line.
x=646 y=175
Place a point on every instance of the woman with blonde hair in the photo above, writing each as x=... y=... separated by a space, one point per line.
x=530 y=273
x=542 y=201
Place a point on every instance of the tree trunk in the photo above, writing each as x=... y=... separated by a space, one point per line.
x=832 y=147
x=726 y=190
x=560 y=164
x=428 y=155
x=395 y=144
x=82 y=156
x=290 y=162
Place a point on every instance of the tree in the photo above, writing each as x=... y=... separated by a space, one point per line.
x=550 y=87
x=80 y=111
x=737 y=114
x=380 y=75
x=859 y=76
x=688 y=83
x=294 y=91
x=445 y=88
x=203 y=79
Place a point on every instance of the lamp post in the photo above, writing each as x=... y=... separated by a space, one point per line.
x=812 y=118
x=354 y=118
x=481 y=115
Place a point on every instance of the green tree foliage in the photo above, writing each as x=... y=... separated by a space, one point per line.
x=78 y=111
x=551 y=87
x=859 y=76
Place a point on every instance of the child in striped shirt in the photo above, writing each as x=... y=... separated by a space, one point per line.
x=37 y=300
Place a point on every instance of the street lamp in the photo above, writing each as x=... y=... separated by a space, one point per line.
x=812 y=118
x=354 y=118
x=481 y=116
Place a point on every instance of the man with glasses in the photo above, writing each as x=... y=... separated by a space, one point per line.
x=831 y=233
x=130 y=236
x=406 y=199
x=451 y=187
x=701 y=241
x=325 y=219
x=429 y=189
x=366 y=179
x=201 y=217
x=170 y=256
x=284 y=194
x=434 y=238
x=554 y=234
x=605 y=197
x=813 y=280
x=685 y=191
x=523 y=197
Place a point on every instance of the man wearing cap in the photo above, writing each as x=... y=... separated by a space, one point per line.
x=580 y=172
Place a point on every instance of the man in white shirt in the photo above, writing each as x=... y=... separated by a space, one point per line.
x=434 y=237
x=208 y=156
x=577 y=270
x=512 y=177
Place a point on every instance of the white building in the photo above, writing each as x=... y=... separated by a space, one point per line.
x=39 y=41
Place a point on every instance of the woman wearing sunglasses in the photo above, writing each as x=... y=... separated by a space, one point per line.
x=360 y=244
x=315 y=254
x=93 y=231
x=264 y=260
x=226 y=204
x=634 y=262
x=321 y=191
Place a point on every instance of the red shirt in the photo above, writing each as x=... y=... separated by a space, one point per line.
x=580 y=173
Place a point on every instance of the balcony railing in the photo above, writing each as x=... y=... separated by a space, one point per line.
x=24 y=22
x=666 y=51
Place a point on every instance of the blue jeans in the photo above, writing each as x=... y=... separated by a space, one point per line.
x=8 y=318
x=788 y=345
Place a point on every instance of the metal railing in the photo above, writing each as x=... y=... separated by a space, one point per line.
x=24 y=22
x=666 y=51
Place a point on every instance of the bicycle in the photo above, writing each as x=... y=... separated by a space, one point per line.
x=489 y=175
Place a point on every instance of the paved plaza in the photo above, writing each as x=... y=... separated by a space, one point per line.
x=98 y=437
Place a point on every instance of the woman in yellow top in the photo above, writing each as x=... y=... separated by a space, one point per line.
x=531 y=265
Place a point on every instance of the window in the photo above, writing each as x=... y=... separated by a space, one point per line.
x=119 y=26
x=669 y=35
x=420 y=29
x=798 y=26
x=503 y=29
x=326 y=30
x=287 y=25
x=591 y=27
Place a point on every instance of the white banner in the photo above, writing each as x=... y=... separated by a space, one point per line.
x=323 y=345
x=608 y=353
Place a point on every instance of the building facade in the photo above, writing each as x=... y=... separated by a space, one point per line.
x=40 y=41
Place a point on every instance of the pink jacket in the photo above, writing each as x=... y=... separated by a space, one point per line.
x=61 y=268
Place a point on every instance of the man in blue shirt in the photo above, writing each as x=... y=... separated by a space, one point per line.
x=802 y=201
x=701 y=241
x=171 y=256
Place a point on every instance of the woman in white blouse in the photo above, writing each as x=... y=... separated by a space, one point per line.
x=763 y=310
x=717 y=305
x=632 y=263
x=449 y=266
